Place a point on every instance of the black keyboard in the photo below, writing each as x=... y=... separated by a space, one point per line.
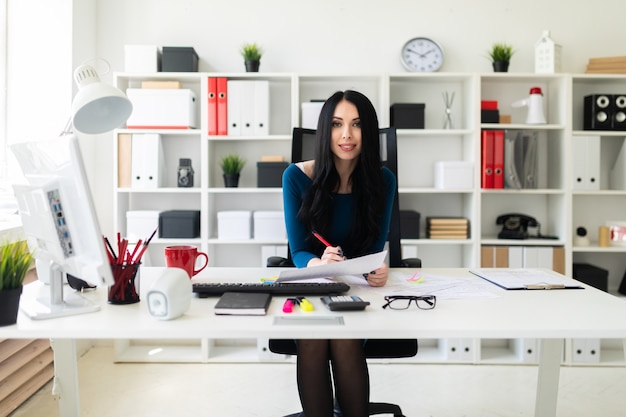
x=207 y=289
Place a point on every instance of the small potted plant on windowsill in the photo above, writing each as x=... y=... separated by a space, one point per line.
x=15 y=260
x=500 y=54
x=251 y=53
x=232 y=165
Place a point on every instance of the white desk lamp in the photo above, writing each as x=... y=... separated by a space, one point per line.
x=56 y=206
x=97 y=107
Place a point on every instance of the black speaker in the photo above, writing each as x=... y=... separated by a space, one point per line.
x=598 y=112
x=619 y=112
x=605 y=112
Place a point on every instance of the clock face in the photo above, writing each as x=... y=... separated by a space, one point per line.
x=422 y=55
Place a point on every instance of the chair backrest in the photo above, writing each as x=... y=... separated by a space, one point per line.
x=303 y=148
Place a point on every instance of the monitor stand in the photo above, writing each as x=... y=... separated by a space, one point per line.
x=55 y=304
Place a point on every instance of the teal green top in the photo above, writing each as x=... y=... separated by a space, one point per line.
x=295 y=186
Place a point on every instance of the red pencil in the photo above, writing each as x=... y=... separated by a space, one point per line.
x=321 y=239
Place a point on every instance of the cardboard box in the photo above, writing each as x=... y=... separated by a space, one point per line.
x=179 y=59
x=177 y=224
x=140 y=224
x=142 y=58
x=407 y=115
x=269 y=225
x=162 y=108
x=454 y=174
x=234 y=224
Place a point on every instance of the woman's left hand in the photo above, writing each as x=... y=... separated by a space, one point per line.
x=378 y=278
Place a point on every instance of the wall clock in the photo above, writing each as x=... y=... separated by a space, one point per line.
x=422 y=55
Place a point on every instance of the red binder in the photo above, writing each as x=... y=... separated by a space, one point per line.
x=222 y=108
x=498 y=159
x=212 y=92
x=487 y=158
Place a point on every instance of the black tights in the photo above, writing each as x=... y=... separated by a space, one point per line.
x=350 y=374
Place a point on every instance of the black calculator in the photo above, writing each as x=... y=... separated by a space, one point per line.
x=344 y=302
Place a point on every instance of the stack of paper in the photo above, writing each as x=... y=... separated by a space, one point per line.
x=607 y=65
x=447 y=228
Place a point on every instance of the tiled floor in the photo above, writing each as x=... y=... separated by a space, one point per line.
x=268 y=390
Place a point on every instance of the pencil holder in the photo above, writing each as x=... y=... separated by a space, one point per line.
x=125 y=290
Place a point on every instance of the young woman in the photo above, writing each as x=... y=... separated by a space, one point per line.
x=346 y=196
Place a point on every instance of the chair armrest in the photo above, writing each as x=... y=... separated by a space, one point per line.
x=279 y=262
x=412 y=263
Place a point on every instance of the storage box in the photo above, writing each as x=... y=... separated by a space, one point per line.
x=142 y=58
x=162 y=109
x=270 y=174
x=179 y=59
x=234 y=224
x=489 y=116
x=269 y=225
x=179 y=224
x=311 y=114
x=454 y=174
x=141 y=223
x=407 y=115
x=409 y=224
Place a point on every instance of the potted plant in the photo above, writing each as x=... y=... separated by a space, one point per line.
x=231 y=164
x=500 y=54
x=251 y=53
x=15 y=260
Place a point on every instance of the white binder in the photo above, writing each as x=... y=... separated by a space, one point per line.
x=147 y=161
x=248 y=108
x=261 y=108
x=586 y=162
x=234 y=107
x=617 y=175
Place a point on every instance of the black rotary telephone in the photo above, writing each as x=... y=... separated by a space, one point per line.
x=516 y=226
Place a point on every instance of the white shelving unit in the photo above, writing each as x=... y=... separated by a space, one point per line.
x=555 y=204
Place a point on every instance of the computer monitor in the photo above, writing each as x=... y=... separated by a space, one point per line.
x=60 y=224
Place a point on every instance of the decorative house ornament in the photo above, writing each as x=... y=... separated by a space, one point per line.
x=547 y=55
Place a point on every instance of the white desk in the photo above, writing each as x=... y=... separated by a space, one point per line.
x=549 y=315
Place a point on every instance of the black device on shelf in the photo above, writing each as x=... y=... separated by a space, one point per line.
x=207 y=289
x=185 y=173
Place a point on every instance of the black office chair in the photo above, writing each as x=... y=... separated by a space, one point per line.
x=303 y=149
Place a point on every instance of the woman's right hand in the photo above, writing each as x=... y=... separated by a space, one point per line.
x=331 y=254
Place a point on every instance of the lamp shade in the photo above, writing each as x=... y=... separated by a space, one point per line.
x=97 y=107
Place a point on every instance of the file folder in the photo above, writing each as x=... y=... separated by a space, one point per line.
x=222 y=106
x=525 y=279
x=521 y=159
x=124 y=161
x=212 y=106
x=261 y=108
x=487 y=159
x=234 y=108
x=246 y=103
x=586 y=162
x=147 y=161
x=498 y=159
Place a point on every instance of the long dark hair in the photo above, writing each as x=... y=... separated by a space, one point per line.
x=368 y=187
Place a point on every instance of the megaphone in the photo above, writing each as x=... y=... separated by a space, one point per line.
x=535 y=107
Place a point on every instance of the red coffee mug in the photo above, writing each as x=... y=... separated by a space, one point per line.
x=185 y=257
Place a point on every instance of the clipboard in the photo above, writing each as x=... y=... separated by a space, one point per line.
x=525 y=279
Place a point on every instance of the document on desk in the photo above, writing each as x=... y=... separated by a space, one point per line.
x=444 y=286
x=526 y=279
x=354 y=266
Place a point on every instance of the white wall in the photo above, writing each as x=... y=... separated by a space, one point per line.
x=351 y=36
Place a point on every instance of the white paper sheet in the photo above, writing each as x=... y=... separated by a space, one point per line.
x=354 y=266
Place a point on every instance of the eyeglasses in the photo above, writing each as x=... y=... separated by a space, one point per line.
x=402 y=302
